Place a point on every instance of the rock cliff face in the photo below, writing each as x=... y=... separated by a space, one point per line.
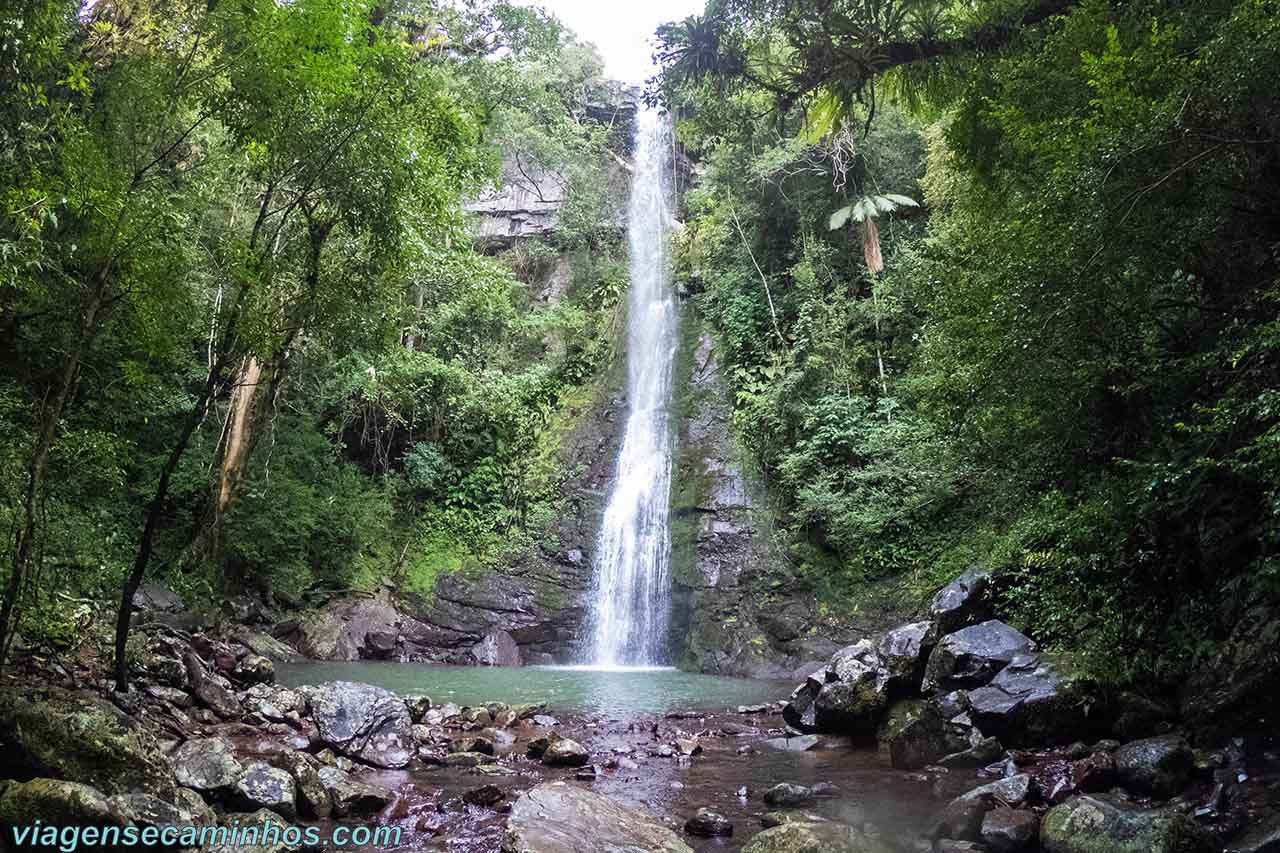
x=742 y=609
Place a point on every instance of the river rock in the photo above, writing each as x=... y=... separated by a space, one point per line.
x=255 y=669
x=79 y=737
x=206 y=765
x=363 y=722
x=913 y=734
x=188 y=809
x=972 y=656
x=1159 y=766
x=903 y=653
x=312 y=795
x=262 y=786
x=55 y=802
x=1027 y=703
x=555 y=817
x=1006 y=830
x=964 y=601
x=787 y=795
x=797 y=743
x=708 y=824
x=814 y=837
x=1263 y=838
x=1091 y=824
x=1014 y=791
x=271 y=842
x=212 y=690
x=418 y=706
x=563 y=752
x=350 y=796
x=1093 y=773
x=468 y=759
x=856 y=692
x=486 y=796
x=497 y=648
x=799 y=712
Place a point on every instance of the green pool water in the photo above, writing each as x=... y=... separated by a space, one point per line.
x=625 y=691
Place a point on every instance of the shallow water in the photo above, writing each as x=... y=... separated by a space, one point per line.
x=582 y=690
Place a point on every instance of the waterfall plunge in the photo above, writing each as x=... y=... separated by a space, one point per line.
x=631 y=587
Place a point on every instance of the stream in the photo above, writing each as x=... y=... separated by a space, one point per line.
x=623 y=717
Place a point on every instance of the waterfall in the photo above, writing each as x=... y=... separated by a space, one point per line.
x=631 y=583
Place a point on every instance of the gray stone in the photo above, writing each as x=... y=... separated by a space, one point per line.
x=800 y=743
x=787 y=795
x=211 y=689
x=903 y=653
x=312 y=795
x=1263 y=838
x=56 y=802
x=154 y=598
x=555 y=817
x=351 y=797
x=206 y=765
x=1006 y=830
x=255 y=669
x=856 y=692
x=1027 y=703
x=418 y=706
x=913 y=734
x=262 y=786
x=1093 y=824
x=708 y=824
x=363 y=722
x=962 y=602
x=1159 y=766
x=564 y=752
x=497 y=648
x=972 y=656
x=815 y=837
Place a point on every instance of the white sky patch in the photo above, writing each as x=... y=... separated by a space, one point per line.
x=622 y=29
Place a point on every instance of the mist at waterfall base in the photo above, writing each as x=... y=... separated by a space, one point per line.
x=631 y=584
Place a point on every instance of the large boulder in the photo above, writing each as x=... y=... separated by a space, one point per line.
x=913 y=734
x=206 y=765
x=815 y=837
x=965 y=601
x=1158 y=766
x=558 y=818
x=903 y=653
x=357 y=628
x=350 y=796
x=972 y=656
x=363 y=722
x=213 y=691
x=563 y=752
x=856 y=692
x=312 y=795
x=800 y=712
x=188 y=809
x=262 y=786
x=55 y=802
x=1027 y=703
x=81 y=738
x=497 y=648
x=155 y=598
x=1006 y=830
x=1093 y=824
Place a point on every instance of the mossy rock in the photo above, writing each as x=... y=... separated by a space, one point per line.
x=1096 y=825
x=80 y=737
x=815 y=837
x=56 y=802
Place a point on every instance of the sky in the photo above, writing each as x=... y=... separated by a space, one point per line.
x=621 y=29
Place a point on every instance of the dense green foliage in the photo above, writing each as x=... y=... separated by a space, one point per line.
x=1078 y=338
x=247 y=337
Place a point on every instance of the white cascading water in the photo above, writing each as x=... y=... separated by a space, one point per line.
x=631 y=586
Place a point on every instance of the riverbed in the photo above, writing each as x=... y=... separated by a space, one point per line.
x=628 y=719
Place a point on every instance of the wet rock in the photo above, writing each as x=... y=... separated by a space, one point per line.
x=1014 y=791
x=825 y=789
x=312 y=795
x=952 y=845
x=269 y=842
x=555 y=817
x=537 y=747
x=688 y=746
x=472 y=744
x=903 y=653
x=1093 y=773
x=363 y=722
x=708 y=824
x=351 y=797
x=418 y=705
x=467 y=759
x=1006 y=830
x=342 y=629
x=544 y=720
x=1159 y=766
x=856 y=691
x=972 y=656
x=188 y=809
x=962 y=602
x=206 y=765
x=79 y=737
x=1090 y=824
x=178 y=698
x=952 y=704
x=55 y=802
x=497 y=648
x=814 y=837
x=210 y=689
x=913 y=734
x=800 y=743
x=982 y=753
x=787 y=795
x=1027 y=702
x=255 y=669
x=262 y=786
x=486 y=796
x=564 y=752
x=799 y=711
